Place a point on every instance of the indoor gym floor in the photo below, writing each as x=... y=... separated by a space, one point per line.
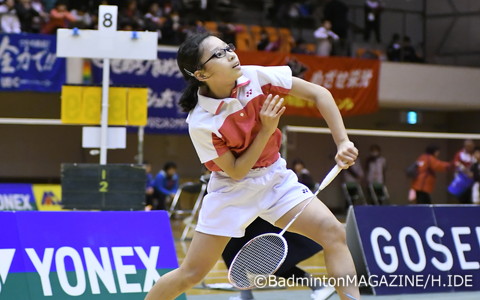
x=314 y=265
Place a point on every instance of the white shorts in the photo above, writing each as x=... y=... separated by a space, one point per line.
x=231 y=205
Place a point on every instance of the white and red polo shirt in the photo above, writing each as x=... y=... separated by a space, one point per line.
x=219 y=125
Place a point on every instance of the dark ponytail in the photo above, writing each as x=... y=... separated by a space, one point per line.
x=188 y=60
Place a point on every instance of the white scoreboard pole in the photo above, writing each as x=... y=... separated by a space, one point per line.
x=107 y=22
x=106 y=43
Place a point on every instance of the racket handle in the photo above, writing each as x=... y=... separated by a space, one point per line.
x=330 y=176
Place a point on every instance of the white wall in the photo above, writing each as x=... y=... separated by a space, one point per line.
x=421 y=86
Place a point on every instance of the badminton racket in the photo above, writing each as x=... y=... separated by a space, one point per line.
x=264 y=254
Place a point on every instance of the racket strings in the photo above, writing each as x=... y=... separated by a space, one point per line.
x=261 y=256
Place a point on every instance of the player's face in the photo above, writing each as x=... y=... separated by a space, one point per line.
x=219 y=60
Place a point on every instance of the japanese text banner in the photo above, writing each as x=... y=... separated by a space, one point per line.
x=165 y=85
x=28 y=62
x=352 y=82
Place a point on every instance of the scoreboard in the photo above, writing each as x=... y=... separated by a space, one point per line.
x=103 y=187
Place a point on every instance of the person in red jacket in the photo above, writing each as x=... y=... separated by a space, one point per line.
x=60 y=17
x=428 y=165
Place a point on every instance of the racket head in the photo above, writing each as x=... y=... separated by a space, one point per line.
x=262 y=255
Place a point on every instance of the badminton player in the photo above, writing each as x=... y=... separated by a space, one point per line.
x=233 y=116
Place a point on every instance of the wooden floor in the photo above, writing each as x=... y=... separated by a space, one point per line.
x=218 y=275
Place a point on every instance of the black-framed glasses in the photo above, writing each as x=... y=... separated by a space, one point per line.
x=219 y=53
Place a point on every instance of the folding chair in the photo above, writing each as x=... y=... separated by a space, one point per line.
x=379 y=193
x=190 y=188
x=353 y=193
x=190 y=221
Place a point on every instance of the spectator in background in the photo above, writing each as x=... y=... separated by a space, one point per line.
x=463 y=161
x=354 y=173
x=336 y=11
x=39 y=7
x=227 y=32
x=428 y=165
x=375 y=166
x=83 y=19
x=264 y=40
x=194 y=28
x=394 y=48
x=165 y=185
x=171 y=29
x=60 y=17
x=325 y=37
x=154 y=19
x=373 y=10
x=29 y=18
x=304 y=177
x=149 y=190
x=475 y=169
x=409 y=54
x=265 y=44
x=9 y=20
x=353 y=178
x=130 y=17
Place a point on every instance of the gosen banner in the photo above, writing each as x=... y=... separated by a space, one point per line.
x=416 y=249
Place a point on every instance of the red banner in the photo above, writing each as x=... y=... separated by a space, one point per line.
x=352 y=82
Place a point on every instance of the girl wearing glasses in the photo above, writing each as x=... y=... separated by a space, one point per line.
x=233 y=116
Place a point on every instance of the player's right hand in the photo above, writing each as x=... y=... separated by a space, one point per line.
x=270 y=113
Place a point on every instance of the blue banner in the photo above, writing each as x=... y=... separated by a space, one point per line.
x=419 y=249
x=28 y=62
x=86 y=255
x=164 y=81
x=17 y=196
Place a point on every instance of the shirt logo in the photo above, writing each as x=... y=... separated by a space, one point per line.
x=249 y=93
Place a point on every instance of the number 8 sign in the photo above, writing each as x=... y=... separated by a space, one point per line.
x=107 y=17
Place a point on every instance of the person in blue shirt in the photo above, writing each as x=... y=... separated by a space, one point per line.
x=165 y=185
x=149 y=181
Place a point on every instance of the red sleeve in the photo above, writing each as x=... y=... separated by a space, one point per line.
x=439 y=166
x=70 y=17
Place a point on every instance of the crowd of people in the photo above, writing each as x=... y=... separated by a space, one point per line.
x=44 y=16
x=464 y=167
x=169 y=19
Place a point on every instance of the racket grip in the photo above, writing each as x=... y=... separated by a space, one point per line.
x=330 y=176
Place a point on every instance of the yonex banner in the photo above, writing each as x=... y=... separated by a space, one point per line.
x=28 y=62
x=83 y=255
x=25 y=196
x=16 y=196
x=416 y=249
